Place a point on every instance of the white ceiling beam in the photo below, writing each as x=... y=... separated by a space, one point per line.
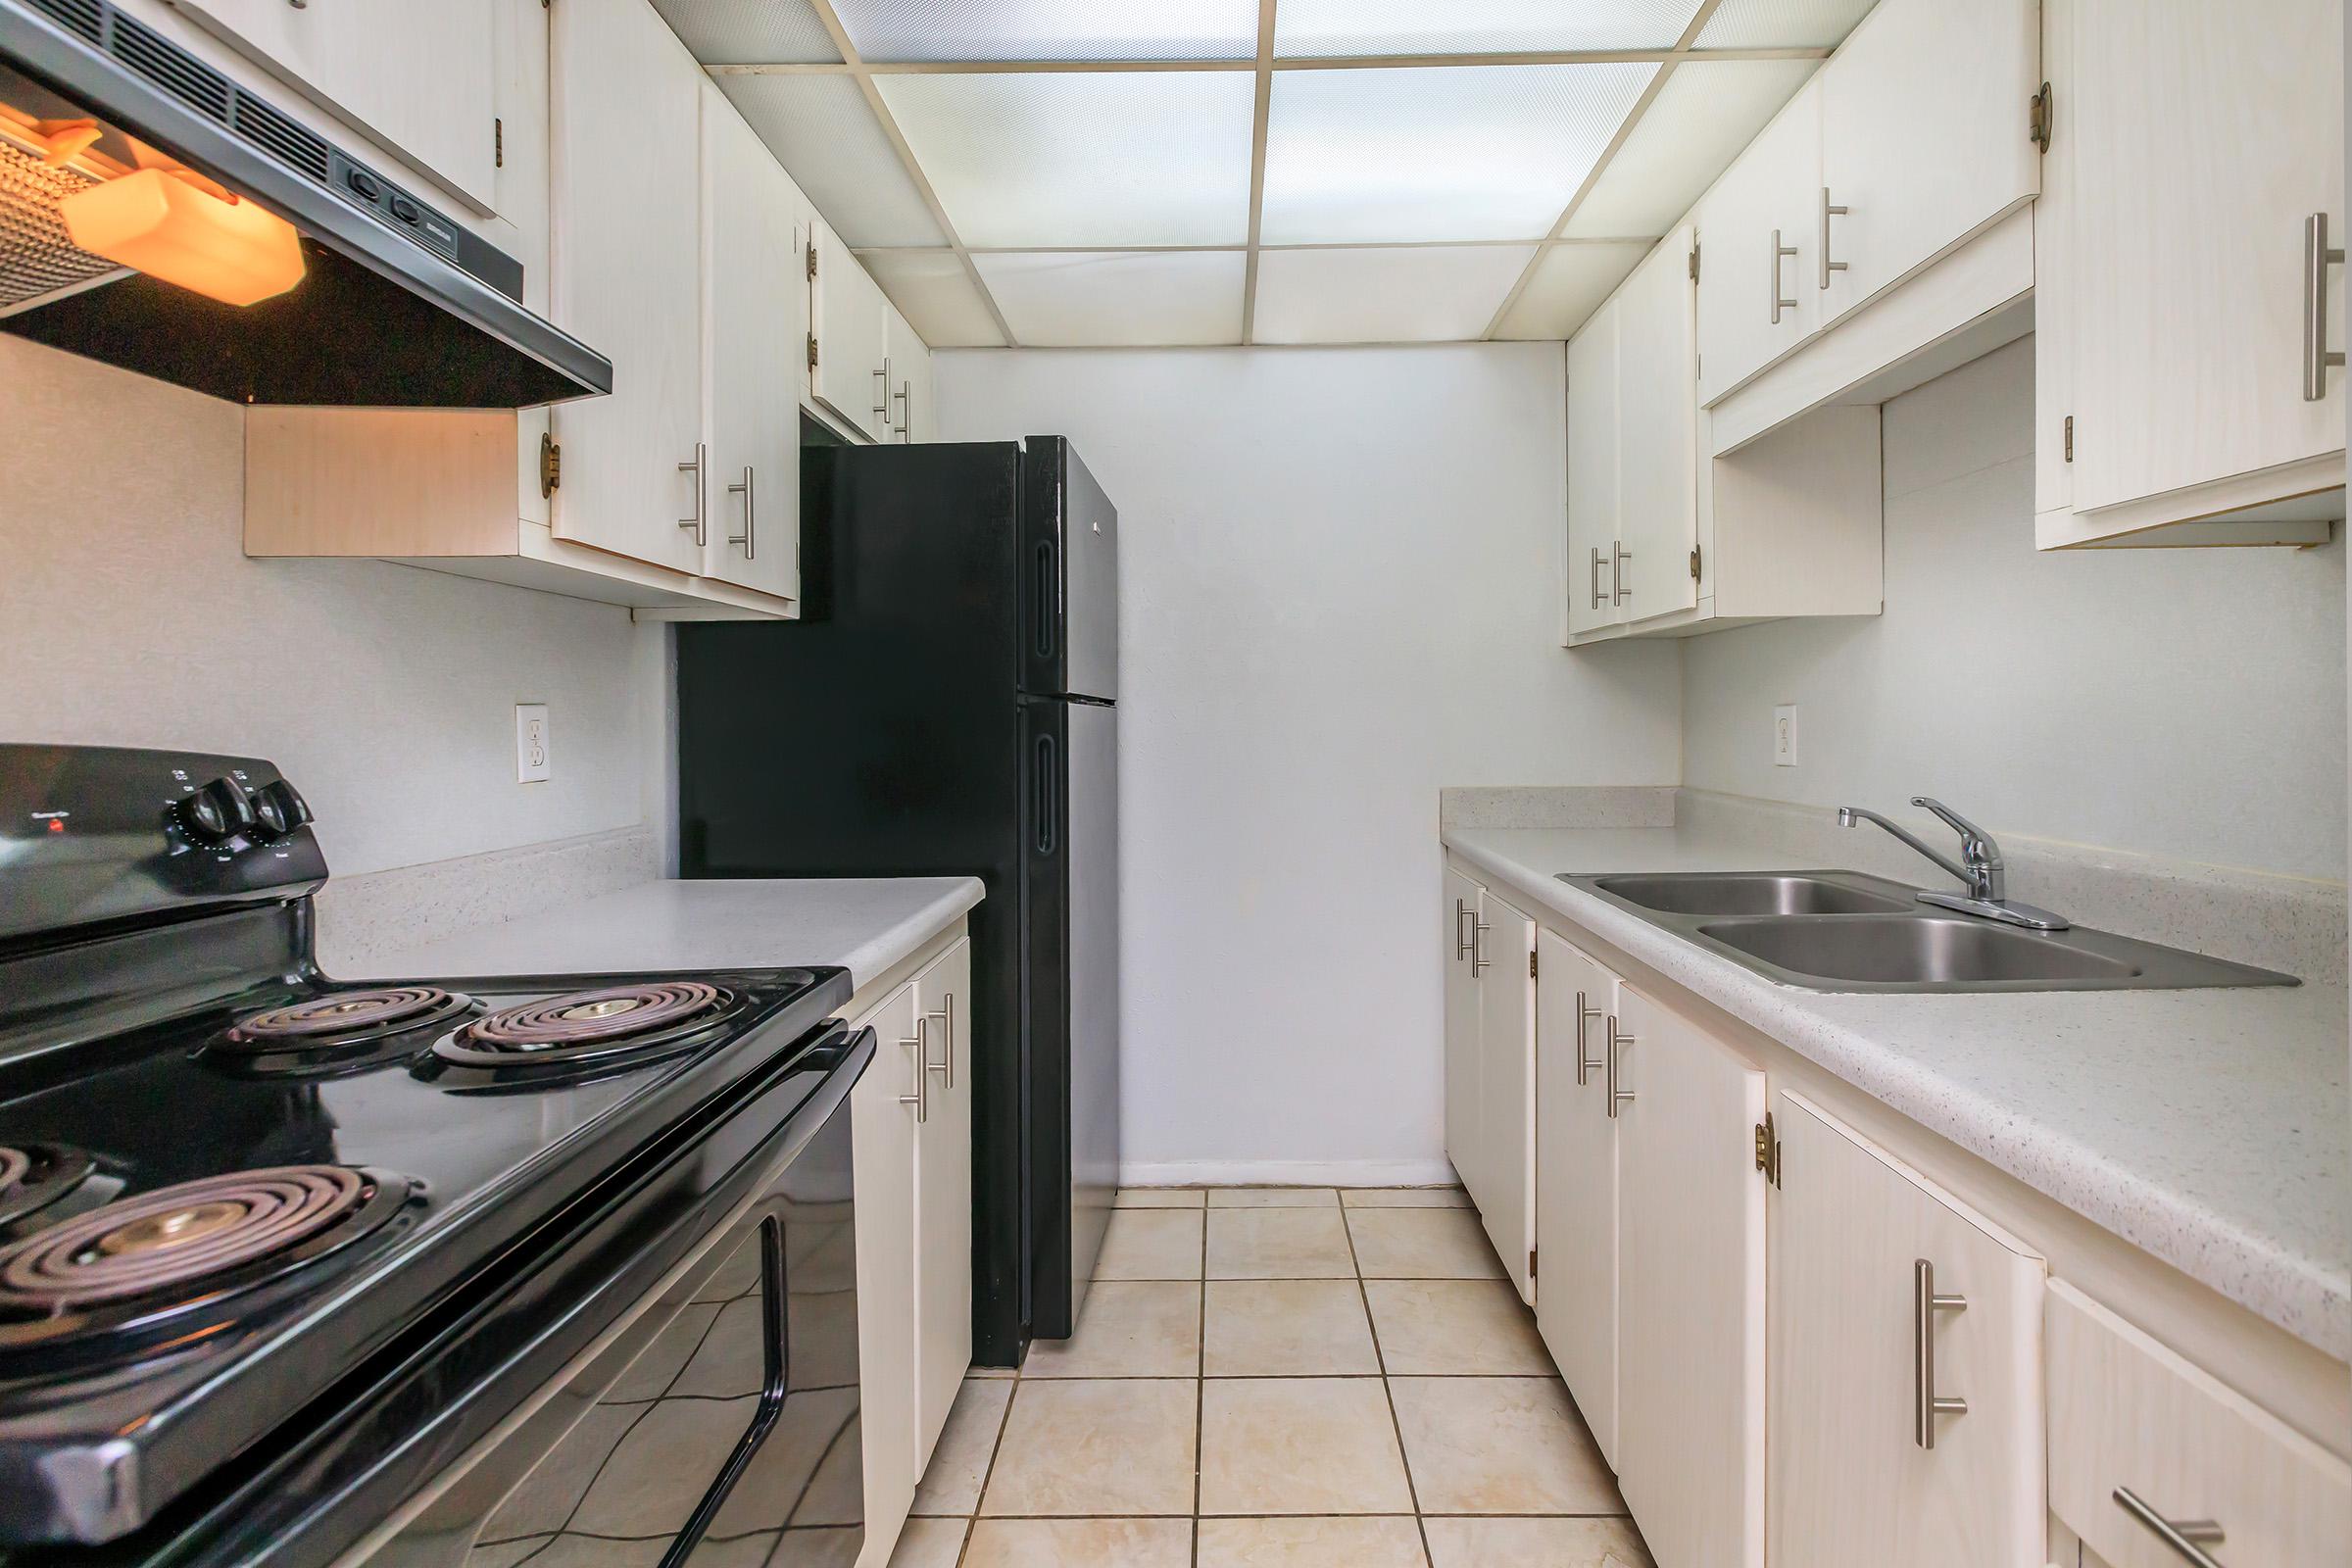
x=1265 y=62
x=1562 y=243
x=1262 y=107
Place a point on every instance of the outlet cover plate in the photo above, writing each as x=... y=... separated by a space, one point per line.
x=1783 y=735
x=532 y=764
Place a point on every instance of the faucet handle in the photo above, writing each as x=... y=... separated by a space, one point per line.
x=1957 y=823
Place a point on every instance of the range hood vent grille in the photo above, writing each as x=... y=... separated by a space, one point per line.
x=273 y=132
x=86 y=17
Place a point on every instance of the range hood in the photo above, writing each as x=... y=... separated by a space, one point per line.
x=397 y=304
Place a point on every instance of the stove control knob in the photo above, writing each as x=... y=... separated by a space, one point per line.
x=278 y=808
x=216 y=813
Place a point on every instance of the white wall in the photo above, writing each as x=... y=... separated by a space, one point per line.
x=130 y=617
x=2183 y=703
x=1340 y=589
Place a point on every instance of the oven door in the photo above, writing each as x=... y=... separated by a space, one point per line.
x=716 y=1426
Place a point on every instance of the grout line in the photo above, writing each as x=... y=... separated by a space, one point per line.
x=1387 y=1392
x=1261 y=109
x=858 y=73
x=850 y=65
x=1681 y=51
x=1201 y=1360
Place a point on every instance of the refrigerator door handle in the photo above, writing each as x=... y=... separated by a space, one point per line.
x=1046 y=794
x=1049 y=597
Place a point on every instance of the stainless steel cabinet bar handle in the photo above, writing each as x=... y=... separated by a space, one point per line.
x=1462 y=947
x=1779 y=303
x=1617 y=1097
x=946 y=1066
x=1594 y=579
x=2317 y=256
x=699 y=522
x=920 y=1100
x=1826 y=212
x=905 y=411
x=1926 y=1403
x=1619 y=592
x=750 y=506
x=1478 y=947
x=882 y=408
x=1583 y=1063
x=2183 y=1536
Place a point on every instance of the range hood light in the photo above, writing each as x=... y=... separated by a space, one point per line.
x=166 y=225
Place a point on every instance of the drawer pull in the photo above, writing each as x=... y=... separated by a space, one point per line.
x=2184 y=1536
x=1925 y=1304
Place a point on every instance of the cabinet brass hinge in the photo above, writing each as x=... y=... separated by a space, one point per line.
x=812 y=351
x=1694 y=261
x=1694 y=563
x=2038 y=119
x=498 y=142
x=551 y=465
x=1531 y=966
x=2070 y=439
x=1768 y=1149
x=812 y=260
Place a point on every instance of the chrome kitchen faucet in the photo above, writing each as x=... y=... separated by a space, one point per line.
x=1980 y=866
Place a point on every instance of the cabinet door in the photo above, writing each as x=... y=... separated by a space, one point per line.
x=1507 y=1031
x=1462 y=1024
x=853 y=332
x=626 y=219
x=1773 y=189
x=1922 y=139
x=1857 y=1345
x=417 y=75
x=1575 y=1181
x=2201 y=145
x=910 y=360
x=754 y=317
x=943 y=1256
x=883 y=1134
x=1658 y=432
x=1593 y=515
x=1691 y=1289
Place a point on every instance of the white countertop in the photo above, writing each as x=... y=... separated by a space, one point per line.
x=2208 y=1128
x=863 y=924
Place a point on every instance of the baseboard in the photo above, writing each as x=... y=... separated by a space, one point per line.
x=1288 y=1173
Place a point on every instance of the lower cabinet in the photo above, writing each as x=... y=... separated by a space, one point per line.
x=1905 y=1356
x=1505 y=953
x=1463 y=1097
x=1575 y=1181
x=911 y=1126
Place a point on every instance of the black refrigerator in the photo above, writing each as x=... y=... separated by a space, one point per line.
x=947 y=705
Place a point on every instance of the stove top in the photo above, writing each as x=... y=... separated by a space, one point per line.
x=229 y=1182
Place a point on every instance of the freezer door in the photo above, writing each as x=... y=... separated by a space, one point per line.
x=1070 y=567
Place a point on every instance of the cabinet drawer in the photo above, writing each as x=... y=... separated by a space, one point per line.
x=2128 y=1416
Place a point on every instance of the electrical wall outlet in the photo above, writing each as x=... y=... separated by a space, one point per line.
x=532 y=764
x=1783 y=735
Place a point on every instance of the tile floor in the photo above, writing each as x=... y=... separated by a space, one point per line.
x=1278 y=1378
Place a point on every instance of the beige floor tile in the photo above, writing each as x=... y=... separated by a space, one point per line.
x=1273 y=1198
x=959 y=1460
x=1080 y=1544
x=1421 y=1244
x=1534 y=1544
x=1455 y=1328
x=994 y=1372
x=1158 y=1198
x=1123 y=1447
x=1287 y=1328
x=1300 y=1445
x=1404 y=1198
x=1278 y=1244
x=1500 y=1446
x=1147 y=1244
x=1128 y=1329
x=929 y=1543
x=1328 y=1543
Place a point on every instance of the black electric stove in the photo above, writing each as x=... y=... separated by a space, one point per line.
x=275 y=1249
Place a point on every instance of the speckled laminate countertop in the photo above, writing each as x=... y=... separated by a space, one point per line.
x=2208 y=1128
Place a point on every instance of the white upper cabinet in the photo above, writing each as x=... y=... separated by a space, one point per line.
x=1657 y=414
x=1594 y=519
x=850 y=374
x=1758 y=233
x=2200 y=143
x=1923 y=140
x=418 y=74
x=910 y=361
x=626 y=219
x=754 y=321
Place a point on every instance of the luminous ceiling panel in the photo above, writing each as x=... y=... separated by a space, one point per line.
x=1324 y=27
x=1698 y=122
x=1052 y=29
x=1569 y=284
x=822 y=132
x=937 y=296
x=1095 y=299
x=1782 y=23
x=1405 y=294
x=1095 y=160
x=750 y=31
x=1441 y=152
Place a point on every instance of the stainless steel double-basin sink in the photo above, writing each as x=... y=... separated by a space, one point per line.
x=1846 y=931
